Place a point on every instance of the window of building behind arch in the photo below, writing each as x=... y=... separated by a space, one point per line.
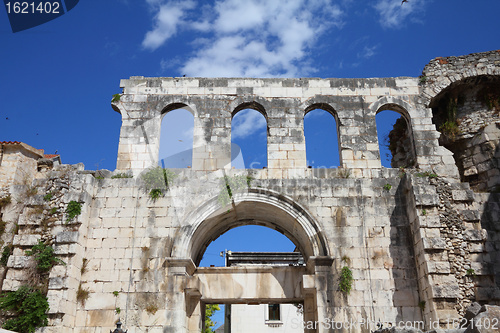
x=176 y=139
x=248 y=140
x=322 y=142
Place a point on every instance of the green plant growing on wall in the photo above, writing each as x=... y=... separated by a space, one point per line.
x=155 y=194
x=82 y=294
x=6 y=252
x=210 y=310
x=402 y=172
x=346 y=280
x=44 y=257
x=490 y=96
x=426 y=174
x=29 y=307
x=230 y=186
x=31 y=191
x=4 y=201
x=3 y=226
x=471 y=272
x=47 y=197
x=450 y=129
x=118 y=310
x=116 y=98
x=115 y=293
x=151 y=308
x=424 y=212
x=387 y=187
x=73 y=209
x=157 y=180
x=85 y=263
x=121 y=175
x=344 y=173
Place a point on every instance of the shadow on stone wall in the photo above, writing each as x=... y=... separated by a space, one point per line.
x=404 y=272
x=490 y=220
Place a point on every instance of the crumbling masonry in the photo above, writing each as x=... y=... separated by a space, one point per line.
x=422 y=239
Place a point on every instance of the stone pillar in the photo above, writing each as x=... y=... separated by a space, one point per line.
x=212 y=137
x=178 y=271
x=433 y=267
x=286 y=145
x=358 y=141
x=139 y=135
x=430 y=155
x=315 y=292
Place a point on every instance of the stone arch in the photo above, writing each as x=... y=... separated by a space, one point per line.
x=257 y=103
x=323 y=106
x=177 y=105
x=257 y=207
x=432 y=90
x=394 y=104
x=403 y=108
x=434 y=82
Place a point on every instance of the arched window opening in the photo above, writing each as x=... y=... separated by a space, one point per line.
x=248 y=140
x=176 y=139
x=322 y=142
x=394 y=139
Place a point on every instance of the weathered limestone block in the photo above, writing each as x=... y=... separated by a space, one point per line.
x=475 y=235
x=67 y=237
x=434 y=243
x=462 y=195
x=487 y=321
x=26 y=240
x=18 y=261
x=470 y=215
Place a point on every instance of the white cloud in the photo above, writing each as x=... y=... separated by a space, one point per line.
x=253 y=38
x=368 y=52
x=270 y=40
x=246 y=123
x=394 y=13
x=168 y=18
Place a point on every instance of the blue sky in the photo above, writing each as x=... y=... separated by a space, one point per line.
x=58 y=78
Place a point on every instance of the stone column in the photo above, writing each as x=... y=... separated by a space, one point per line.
x=286 y=146
x=429 y=154
x=359 y=147
x=139 y=135
x=178 y=271
x=435 y=280
x=315 y=292
x=212 y=136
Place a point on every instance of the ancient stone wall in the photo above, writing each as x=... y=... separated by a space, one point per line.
x=421 y=244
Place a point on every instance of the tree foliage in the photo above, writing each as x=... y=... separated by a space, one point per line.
x=210 y=310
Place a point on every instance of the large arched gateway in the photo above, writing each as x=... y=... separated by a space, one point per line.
x=237 y=285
